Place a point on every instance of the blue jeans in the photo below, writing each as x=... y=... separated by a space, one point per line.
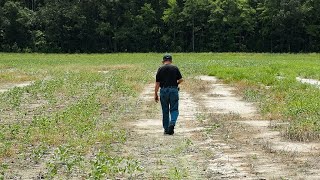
x=169 y=98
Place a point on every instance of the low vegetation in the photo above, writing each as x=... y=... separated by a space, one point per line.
x=270 y=80
x=66 y=122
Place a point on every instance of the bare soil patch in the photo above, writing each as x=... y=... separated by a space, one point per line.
x=162 y=156
x=276 y=142
x=221 y=99
x=103 y=72
x=309 y=81
x=7 y=86
x=217 y=137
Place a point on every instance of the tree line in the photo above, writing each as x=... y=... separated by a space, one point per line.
x=99 y=26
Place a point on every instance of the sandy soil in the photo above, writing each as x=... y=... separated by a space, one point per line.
x=309 y=81
x=217 y=136
x=8 y=86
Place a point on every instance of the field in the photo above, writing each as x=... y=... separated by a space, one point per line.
x=69 y=119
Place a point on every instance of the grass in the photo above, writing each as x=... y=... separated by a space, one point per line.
x=68 y=119
x=270 y=80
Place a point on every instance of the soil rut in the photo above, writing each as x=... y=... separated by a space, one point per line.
x=214 y=139
x=164 y=156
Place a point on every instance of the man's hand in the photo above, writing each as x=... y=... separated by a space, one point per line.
x=156 y=89
x=156 y=98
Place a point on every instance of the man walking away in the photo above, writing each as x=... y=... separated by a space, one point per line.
x=168 y=78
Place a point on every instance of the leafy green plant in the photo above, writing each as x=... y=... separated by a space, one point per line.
x=176 y=174
x=106 y=166
x=213 y=127
x=38 y=152
x=75 y=111
x=3 y=168
x=65 y=159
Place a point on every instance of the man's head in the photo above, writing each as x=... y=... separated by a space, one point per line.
x=167 y=58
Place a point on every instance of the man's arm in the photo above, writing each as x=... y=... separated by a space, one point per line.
x=156 y=89
x=179 y=77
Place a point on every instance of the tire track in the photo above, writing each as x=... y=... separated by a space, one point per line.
x=242 y=155
x=163 y=156
x=209 y=142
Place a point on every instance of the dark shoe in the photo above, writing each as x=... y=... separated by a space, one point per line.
x=165 y=132
x=171 y=129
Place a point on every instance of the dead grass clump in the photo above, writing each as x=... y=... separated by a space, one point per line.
x=302 y=135
x=15 y=77
x=196 y=86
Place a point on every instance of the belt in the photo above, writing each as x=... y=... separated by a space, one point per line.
x=169 y=87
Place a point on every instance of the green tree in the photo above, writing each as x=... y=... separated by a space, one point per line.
x=172 y=37
x=63 y=23
x=231 y=25
x=1 y=28
x=283 y=25
x=147 y=29
x=311 y=8
x=160 y=25
x=16 y=26
x=195 y=17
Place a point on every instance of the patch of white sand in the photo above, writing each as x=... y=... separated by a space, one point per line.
x=207 y=78
x=147 y=93
x=225 y=101
x=309 y=81
x=8 y=86
x=103 y=72
x=276 y=143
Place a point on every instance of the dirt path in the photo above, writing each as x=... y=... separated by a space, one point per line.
x=218 y=136
x=164 y=156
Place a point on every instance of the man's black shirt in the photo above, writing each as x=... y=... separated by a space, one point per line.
x=168 y=75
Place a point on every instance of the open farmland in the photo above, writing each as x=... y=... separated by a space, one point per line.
x=93 y=117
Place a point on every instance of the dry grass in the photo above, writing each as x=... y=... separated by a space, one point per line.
x=15 y=77
x=195 y=86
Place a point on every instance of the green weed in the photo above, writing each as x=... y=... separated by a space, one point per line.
x=212 y=127
x=184 y=145
x=38 y=152
x=106 y=166
x=269 y=79
x=74 y=111
x=201 y=117
x=3 y=169
x=176 y=174
x=65 y=160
